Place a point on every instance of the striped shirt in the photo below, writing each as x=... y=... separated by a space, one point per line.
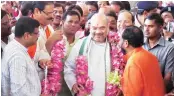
x=19 y=76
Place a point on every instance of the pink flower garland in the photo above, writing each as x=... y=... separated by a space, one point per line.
x=117 y=62
x=52 y=84
x=82 y=76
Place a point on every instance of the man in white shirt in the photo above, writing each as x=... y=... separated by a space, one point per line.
x=19 y=76
x=96 y=49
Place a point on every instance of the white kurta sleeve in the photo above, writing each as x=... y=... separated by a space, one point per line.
x=69 y=68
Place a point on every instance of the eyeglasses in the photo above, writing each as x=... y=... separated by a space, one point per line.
x=47 y=13
x=36 y=33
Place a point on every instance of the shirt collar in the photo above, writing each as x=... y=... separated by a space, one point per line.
x=160 y=42
x=72 y=44
x=128 y=55
x=20 y=45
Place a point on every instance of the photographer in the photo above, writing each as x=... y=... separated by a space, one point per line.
x=167 y=13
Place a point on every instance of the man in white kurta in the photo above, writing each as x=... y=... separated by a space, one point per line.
x=96 y=49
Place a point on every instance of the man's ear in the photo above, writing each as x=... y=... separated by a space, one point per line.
x=62 y=22
x=145 y=13
x=26 y=35
x=36 y=11
x=126 y=43
x=161 y=27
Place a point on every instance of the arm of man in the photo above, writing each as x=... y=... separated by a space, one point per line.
x=169 y=68
x=18 y=78
x=132 y=82
x=57 y=35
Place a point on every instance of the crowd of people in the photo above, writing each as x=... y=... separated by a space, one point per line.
x=142 y=51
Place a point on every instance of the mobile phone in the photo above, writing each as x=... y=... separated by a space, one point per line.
x=170 y=27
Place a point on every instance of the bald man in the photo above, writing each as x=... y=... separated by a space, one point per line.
x=96 y=49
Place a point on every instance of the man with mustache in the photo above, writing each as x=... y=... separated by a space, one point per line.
x=161 y=48
x=57 y=15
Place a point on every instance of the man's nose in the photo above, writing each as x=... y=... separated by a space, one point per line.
x=122 y=24
x=97 y=31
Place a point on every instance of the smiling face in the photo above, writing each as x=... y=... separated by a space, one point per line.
x=124 y=20
x=99 y=27
x=57 y=15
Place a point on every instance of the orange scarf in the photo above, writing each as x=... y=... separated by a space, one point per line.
x=32 y=49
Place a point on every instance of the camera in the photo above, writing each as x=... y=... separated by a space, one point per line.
x=170 y=27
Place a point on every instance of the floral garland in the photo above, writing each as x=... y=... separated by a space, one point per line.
x=113 y=80
x=51 y=85
x=82 y=76
x=118 y=65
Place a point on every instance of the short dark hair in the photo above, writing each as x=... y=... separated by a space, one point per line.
x=26 y=7
x=134 y=36
x=25 y=24
x=169 y=9
x=93 y=3
x=126 y=5
x=155 y=16
x=70 y=13
x=59 y=5
x=3 y=13
x=76 y=7
x=118 y=3
x=68 y=3
x=112 y=14
x=41 y=4
x=133 y=19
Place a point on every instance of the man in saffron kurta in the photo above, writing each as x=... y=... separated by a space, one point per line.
x=142 y=76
